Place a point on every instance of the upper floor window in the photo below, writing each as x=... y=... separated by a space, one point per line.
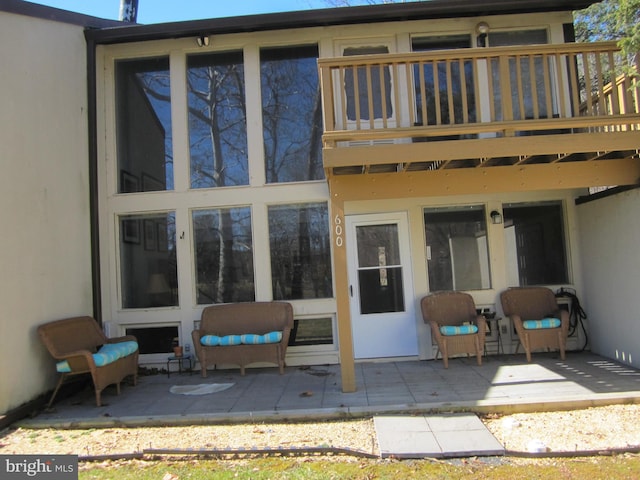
x=143 y=103
x=217 y=120
x=360 y=85
x=457 y=248
x=291 y=114
x=535 y=244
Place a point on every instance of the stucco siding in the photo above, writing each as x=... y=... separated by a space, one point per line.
x=45 y=256
x=610 y=239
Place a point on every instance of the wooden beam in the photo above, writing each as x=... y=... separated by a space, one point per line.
x=481 y=148
x=464 y=181
x=343 y=309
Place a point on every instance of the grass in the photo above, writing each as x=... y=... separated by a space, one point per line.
x=618 y=467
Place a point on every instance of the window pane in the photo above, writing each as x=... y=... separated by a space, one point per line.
x=312 y=331
x=143 y=94
x=363 y=90
x=223 y=256
x=291 y=114
x=381 y=290
x=534 y=243
x=217 y=120
x=460 y=81
x=300 y=252
x=148 y=271
x=457 y=249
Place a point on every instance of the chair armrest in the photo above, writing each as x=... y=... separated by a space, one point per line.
x=435 y=329
x=79 y=360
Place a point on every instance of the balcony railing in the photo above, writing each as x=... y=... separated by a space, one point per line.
x=476 y=92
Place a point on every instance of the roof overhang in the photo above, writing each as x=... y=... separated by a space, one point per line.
x=433 y=9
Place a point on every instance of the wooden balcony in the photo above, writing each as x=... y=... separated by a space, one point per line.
x=558 y=106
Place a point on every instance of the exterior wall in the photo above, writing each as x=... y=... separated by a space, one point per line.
x=259 y=196
x=44 y=192
x=609 y=237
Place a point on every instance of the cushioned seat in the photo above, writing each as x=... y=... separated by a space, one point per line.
x=538 y=320
x=455 y=325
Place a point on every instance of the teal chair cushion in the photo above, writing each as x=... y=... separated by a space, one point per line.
x=544 y=323
x=458 y=330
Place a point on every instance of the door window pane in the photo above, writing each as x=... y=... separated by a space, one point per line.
x=143 y=103
x=223 y=255
x=379 y=269
x=534 y=244
x=300 y=251
x=291 y=114
x=148 y=273
x=217 y=120
x=457 y=249
x=380 y=82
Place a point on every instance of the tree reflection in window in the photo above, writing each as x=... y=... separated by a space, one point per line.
x=300 y=251
x=291 y=114
x=217 y=120
x=223 y=255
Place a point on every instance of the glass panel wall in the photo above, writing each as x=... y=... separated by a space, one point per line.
x=143 y=103
x=291 y=114
x=457 y=248
x=300 y=251
x=223 y=249
x=535 y=244
x=148 y=269
x=217 y=120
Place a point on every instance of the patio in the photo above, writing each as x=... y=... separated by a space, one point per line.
x=504 y=383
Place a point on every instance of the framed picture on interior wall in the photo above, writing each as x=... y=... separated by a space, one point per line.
x=150 y=184
x=150 y=242
x=163 y=241
x=130 y=230
x=128 y=182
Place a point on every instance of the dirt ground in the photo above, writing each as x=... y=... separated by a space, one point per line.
x=593 y=429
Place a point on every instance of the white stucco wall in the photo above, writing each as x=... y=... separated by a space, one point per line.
x=44 y=196
x=610 y=239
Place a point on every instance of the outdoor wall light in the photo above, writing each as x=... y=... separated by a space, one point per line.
x=203 y=41
x=482 y=29
x=496 y=217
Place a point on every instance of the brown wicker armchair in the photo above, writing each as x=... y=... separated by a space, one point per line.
x=536 y=303
x=454 y=309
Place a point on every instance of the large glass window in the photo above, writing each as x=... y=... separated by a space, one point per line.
x=528 y=80
x=457 y=249
x=534 y=244
x=291 y=114
x=368 y=85
x=217 y=120
x=444 y=91
x=300 y=251
x=143 y=99
x=223 y=255
x=148 y=271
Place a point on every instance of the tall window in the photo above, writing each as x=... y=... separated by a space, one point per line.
x=217 y=120
x=223 y=255
x=457 y=249
x=533 y=86
x=444 y=91
x=534 y=244
x=300 y=251
x=148 y=269
x=359 y=86
x=291 y=114
x=143 y=97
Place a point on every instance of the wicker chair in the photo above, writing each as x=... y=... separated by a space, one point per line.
x=454 y=309
x=536 y=303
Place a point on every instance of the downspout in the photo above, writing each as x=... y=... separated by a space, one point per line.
x=96 y=289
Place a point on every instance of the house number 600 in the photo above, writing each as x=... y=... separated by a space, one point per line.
x=338 y=230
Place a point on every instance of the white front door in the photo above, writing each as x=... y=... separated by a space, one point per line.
x=382 y=310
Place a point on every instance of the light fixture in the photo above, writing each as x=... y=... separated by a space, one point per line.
x=496 y=217
x=203 y=41
x=482 y=30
